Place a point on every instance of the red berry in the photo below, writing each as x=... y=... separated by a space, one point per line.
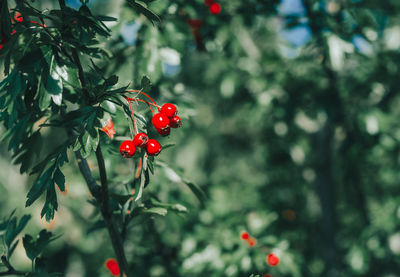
x=244 y=236
x=160 y=121
x=251 y=242
x=208 y=2
x=164 y=132
x=112 y=266
x=175 y=122
x=18 y=17
x=169 y=110
x=127 y=149
x=215 y=8
x=153 y=148
x=140 y=140
x=272 y=260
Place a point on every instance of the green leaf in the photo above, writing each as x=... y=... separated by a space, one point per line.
x=156 y=210
x=54 y=84
x=13 y=229
x=12 y=248
x=51 y=204
x=145 y=83
x=22 y=223
x=33 y=247
x=142 y=9
x=10 y=233
x=59 y=179
x=200 y=194
x=39 y=186
x=105 y=18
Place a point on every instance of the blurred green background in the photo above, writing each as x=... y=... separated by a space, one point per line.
x=290 y=124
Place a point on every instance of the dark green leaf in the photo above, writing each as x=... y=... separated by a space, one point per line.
x=142 y=9
x=33 y=247
x=200 y=194
x=145 y=84
x=59 y=179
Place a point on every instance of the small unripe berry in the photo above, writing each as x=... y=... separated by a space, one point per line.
x=127 y=149
x=272 y=259
x=160 y=121
x=153 y=148
x=175 y=122
x=140 y=139
x=169 y=110
x=215 y=8
x=164 y=132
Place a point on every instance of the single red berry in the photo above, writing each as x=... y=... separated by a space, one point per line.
x=208 y=2
x=127 y=149
x=169 y=110
x=140 y=140
x=164 y=132
x=267 y=275
x=153 y=148
x=244 y=236
x=273 y=259
x=160 y=121
x=112 y=266
x=18 y=17
x=175 y=122
x=251 y=241
x=215 y=8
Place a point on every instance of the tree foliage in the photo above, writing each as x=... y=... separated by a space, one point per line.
x=289 y=132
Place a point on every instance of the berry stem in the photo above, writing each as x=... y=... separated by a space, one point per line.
x=37 y=23
x=133 y=117
x=145 y=94
x=144 y=101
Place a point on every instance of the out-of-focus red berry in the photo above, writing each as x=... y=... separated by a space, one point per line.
x=244 y=236
x=112 y=266
x=215 y=8
x=272 y=259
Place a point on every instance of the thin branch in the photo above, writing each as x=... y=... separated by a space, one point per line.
x=103 y=178
x=87 y=175
x=11 y=270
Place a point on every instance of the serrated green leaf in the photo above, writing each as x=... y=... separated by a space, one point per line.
x=51 y=204
x=39 y=186
x=59 y=179
x=33 y=247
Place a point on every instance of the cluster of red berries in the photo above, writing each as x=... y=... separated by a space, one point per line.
x=272 y=259
x=4 y=38
x=247 y=238
x=162 y=122
x=215 y=7
x=17 y=19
